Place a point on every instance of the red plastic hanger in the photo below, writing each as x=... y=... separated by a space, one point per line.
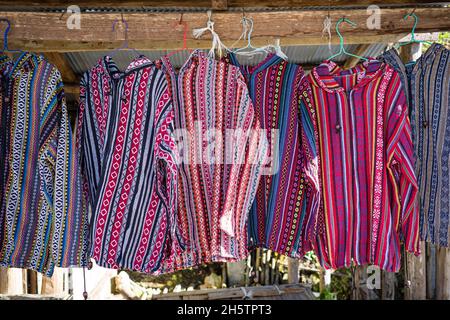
x=185 y=31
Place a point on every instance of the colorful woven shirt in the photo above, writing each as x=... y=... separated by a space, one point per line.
x=367 y=165
x=221 y=152
x=287 y=199
x=42 y=221
x=429 y=91
x=126 y=147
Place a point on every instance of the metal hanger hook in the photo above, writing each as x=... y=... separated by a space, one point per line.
x=126 y=27
x=413 y=32
x=341 y=38
x=249 y=35
x=5 y=34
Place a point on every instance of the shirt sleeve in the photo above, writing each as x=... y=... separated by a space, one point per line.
x=310 y=167
x=69 y=238
x=166 y=165
x=249 y=152
x=400 y=165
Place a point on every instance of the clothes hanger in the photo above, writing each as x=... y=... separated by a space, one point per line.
x=255 y=50
x=5 y=37
x=341 y=41
x=125 y=42
x=247 y=24
x=413 y=32
x=185 y=30
x=216 y=42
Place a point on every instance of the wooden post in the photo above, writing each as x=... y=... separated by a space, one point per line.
x=56 y=285
x=361 y=290
x=293 y=265
x=430 y=265
x=443 y=273
x=11 y=281
x=388 y=285
x=236 y=273
x=32 y=281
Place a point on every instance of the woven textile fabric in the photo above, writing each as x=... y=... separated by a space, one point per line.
x=366 y=157
x=287 y=200
x=43 y=223
x=428 y=82
x=126 y=146
x=218 y=174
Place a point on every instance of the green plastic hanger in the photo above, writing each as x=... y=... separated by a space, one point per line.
x=413 y=32
x=341 y=41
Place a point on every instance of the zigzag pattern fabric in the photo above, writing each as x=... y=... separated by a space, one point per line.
x=42 y=220
x=283 y=213
x=217 y=179
x=127 y=149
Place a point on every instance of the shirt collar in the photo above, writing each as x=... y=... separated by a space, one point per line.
x=324 y=75
x=270 y=60
x=108 y=65
x=25 y=62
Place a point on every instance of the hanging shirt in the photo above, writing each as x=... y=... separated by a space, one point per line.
x=367 y=165
x=42 y=220
x=126 y=146
x=288 y=193
x=221 y=151
x=429 y=92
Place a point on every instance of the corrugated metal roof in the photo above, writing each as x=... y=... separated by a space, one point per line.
x=303 y=55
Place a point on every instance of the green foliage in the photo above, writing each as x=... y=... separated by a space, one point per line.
x=443 y=38
x=341 y=283
x=327 y=295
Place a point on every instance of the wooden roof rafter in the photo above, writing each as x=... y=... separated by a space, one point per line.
x=48 y=32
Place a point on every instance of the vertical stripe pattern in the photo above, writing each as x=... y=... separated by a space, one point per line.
x=43 y=223
x=367 y=177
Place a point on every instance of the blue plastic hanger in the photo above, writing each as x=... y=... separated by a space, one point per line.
x=341 y=41
x=5 y=37
x=125 y=42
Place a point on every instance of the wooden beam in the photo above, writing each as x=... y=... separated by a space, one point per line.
x=219 y=4
x=72 y=88
x=47 y=32
x=205 y=3
x=63 y=65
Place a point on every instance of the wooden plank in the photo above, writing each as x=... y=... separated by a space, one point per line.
x=47 y=32
x=205 y=3
x=431 y=271
x=442 y=273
